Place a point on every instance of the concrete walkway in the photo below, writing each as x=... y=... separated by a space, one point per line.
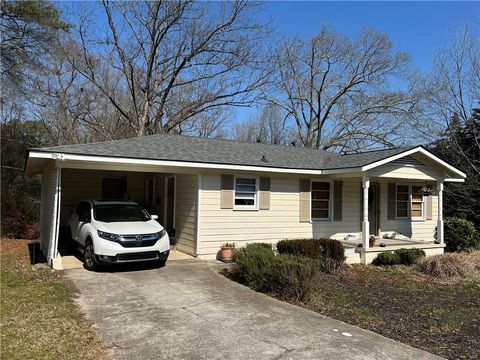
x=188 y=311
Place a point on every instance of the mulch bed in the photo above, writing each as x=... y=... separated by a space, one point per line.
x=437 y=316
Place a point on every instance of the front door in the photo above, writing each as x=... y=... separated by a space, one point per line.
x=374 y=208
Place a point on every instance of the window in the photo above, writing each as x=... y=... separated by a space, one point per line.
x=417 y=203
x=320 y=200
x=403 y=198
x=114 y=188
x=246 y=192
x=410 y=202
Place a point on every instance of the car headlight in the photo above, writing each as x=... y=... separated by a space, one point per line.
x=108 y=236
x=161 y=234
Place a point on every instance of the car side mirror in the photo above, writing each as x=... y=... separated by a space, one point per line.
x=154 y=217
x=84 y=219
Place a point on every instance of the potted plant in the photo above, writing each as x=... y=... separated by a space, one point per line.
x=226 y=252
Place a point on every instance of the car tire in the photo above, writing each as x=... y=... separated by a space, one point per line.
x=89 y=261
x=161 y=263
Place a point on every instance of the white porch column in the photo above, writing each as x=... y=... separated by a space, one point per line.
x=440 y=213
x=365 y=224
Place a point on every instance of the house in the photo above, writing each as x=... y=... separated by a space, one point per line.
x=210 y=191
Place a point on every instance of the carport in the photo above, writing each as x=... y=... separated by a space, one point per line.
x=169 y=192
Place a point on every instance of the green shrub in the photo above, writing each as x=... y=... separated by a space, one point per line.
x=398 y=257
x=409 y=256
x=460 y=235
x=330 y=253
x=386 y=258
x=290 y=277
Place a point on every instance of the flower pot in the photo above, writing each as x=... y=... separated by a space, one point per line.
x=226 y=254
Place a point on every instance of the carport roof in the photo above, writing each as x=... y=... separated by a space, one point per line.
x=215 y=151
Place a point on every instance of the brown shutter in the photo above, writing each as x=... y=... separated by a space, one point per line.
x=337 y=200
x=264 y=194
x=428 y=207
x=392 y=201
x=227 y=192
x=305 y=215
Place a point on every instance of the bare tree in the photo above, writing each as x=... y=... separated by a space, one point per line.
x=337 y=90
x=455 y=91
x=268 y=127
x=175 y=59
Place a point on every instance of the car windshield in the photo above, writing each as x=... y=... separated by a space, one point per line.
x=120 y=213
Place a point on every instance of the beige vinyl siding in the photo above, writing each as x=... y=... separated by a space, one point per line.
x=417 y=172
x=416 y=229
x=281 y=221
x=79 y=184
x=186 y=212
x=350 y=223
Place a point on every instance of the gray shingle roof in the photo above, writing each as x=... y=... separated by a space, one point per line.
x=194 y=149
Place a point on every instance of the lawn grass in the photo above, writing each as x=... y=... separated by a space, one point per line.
x=39 y=319
x=398 y=302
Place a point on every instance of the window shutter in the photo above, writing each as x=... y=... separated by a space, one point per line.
x=305 y=215
x=227 y=192
x=428 y=207
x=264 y=193
x=337 y=200
x=392 y=201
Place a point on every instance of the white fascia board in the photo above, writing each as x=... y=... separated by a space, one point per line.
x=179 y=164
x=454 y=180
x=412 y=151
x=342 y=171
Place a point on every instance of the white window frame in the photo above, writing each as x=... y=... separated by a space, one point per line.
x=255 y=200
x=330 y=200
x=409 y=204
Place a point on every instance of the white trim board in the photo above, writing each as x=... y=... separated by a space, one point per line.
x=60 y=157
x=168 y=163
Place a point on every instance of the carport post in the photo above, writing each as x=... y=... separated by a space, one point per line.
x=55 y=260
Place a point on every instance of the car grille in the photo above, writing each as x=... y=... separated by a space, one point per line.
x=147 y=255
x=144 y=240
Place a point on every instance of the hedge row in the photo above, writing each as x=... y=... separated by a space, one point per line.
x=330 y=253
x=289 y=277
x=399 y=257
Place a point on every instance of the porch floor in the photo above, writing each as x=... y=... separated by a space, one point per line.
x=392 y=242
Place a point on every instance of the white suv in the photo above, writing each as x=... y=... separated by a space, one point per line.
x=111 y=231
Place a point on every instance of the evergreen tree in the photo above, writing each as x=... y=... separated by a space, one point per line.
x=460 y=147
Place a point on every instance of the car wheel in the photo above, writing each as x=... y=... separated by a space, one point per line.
x=89 y=257
x=161 y=263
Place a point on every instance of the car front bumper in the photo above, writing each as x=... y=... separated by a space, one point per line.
x=132 y=257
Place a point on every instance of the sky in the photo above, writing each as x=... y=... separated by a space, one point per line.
x=418 y=28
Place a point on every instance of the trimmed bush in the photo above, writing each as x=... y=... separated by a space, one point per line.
x=398 y=257
x=289 y=277
x=460 y=235
x=386 y=258
x=451 y=264
x=330 y=253
x=14 y=224
x=409 y=256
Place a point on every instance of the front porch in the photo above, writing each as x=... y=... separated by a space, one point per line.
x=355 y=253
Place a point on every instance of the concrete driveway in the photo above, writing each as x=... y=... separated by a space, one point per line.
x=188 y=311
